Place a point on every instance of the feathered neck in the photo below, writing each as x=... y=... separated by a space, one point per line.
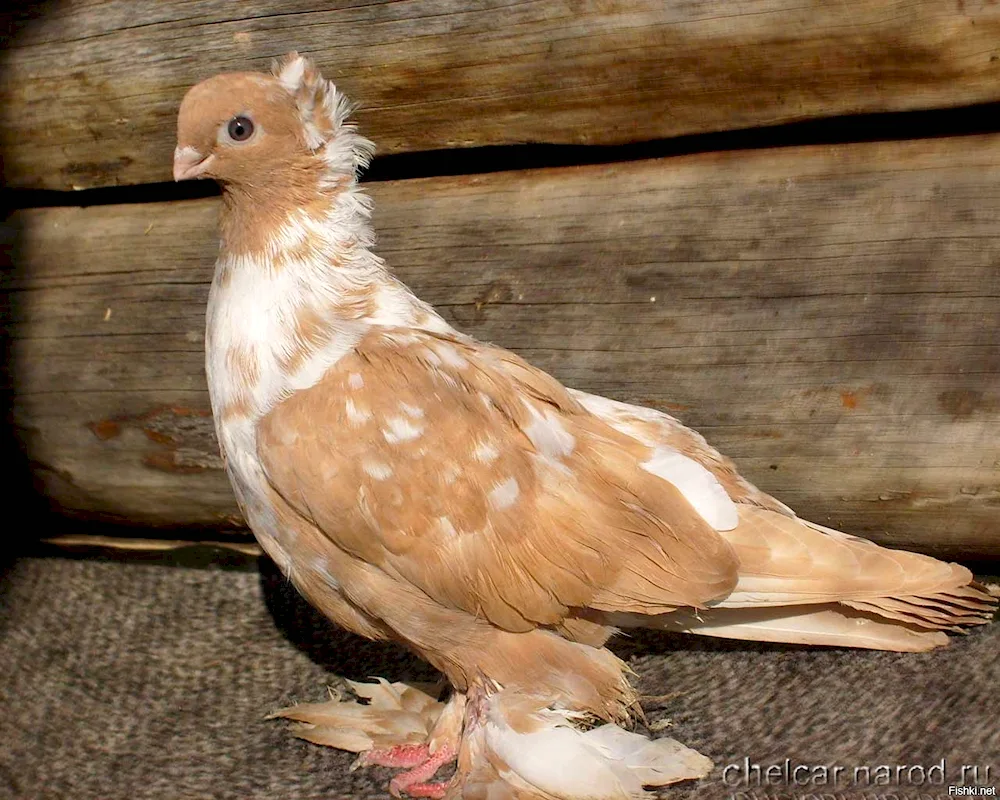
x=313 y=200
x=299 y=213
x=296 y=283
x=295 y=287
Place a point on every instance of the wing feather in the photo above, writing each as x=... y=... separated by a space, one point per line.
x=462 y=470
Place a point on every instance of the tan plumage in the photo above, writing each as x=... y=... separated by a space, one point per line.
x=421 y=486
x=394 y=713
x=519 y=534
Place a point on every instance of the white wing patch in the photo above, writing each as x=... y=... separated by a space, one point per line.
x=401 y=430
x=376 y=470
x=486 y=452
x=548 y=435
x=503 y=495
x=699 y=487
x=451 y=356
x=356 y=415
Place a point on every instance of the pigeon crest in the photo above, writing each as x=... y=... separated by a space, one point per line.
x=325 y=113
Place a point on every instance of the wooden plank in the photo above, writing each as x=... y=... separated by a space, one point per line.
x=89 y=92
x=73 y=542
x=827 y=316
x=216 y=554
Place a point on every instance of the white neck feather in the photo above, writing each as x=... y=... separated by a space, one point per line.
x=282 y=312
x=280 y=315
x=279 y=318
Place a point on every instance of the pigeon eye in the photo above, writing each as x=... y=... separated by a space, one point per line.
x=240 y=129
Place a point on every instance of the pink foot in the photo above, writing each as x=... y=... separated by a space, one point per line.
x=435 y=790
x=403 y=756
x=414 y=782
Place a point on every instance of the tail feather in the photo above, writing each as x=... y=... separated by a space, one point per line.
x=974 y=595
x=938 y=611
x=806 y=584
x=785 y=561
x=890 y=609
x=801 y=582
x=948 y=602
x=823 y=624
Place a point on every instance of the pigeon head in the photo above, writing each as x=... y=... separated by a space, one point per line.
x=249 y=129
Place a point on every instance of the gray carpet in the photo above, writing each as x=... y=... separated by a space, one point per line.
x=125 y=680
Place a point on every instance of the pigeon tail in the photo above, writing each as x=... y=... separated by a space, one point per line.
x=801 y=583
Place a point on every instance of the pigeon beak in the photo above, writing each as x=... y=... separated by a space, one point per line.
x=189 y=163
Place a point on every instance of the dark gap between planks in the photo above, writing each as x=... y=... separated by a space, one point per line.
x=883 y=126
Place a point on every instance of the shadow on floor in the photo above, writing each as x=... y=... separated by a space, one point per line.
x=342 y=653
x=350 y=656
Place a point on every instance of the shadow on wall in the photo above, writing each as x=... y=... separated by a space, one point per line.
x=19 y=496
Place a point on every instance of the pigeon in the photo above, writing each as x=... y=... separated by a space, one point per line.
x=422 y=487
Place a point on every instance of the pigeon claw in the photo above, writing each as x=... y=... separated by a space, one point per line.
x=414 y=781
x=436 y=790
x=401 y=756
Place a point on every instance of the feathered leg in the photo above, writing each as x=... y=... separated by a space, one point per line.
x=424 y=760
x=519 y=747
x=399 y=726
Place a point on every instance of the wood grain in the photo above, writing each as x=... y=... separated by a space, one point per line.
x=89 y=91
x=88 y=542
x=827 y=316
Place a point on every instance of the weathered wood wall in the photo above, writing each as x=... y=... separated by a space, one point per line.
x=825 y=315
x=89 y=92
